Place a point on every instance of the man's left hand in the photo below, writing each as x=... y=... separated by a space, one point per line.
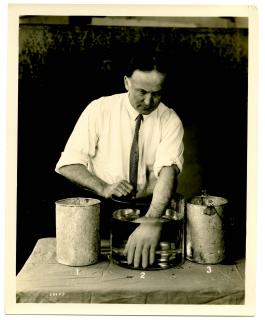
x=142 y=243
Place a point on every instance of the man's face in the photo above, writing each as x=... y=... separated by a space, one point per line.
x=145 y=88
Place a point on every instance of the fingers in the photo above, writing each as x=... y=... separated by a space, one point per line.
x=122 y=188
x=129 y=250
x=119 y=189
x=137 y=255
x=137 y=252
x=145 y=256
x=117 y=193
x=142 y=243
x=152 y=254
x=127 y=187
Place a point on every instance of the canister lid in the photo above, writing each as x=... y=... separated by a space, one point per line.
x=126 y=214
x=77 y=202
x=207 y=200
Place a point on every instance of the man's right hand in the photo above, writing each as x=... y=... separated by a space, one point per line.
x=118 y=189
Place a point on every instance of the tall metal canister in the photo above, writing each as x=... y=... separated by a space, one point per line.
x=77 y=231
x=205 y=229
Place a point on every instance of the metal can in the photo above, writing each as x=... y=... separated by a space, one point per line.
x=77 y=231
x=205 y=229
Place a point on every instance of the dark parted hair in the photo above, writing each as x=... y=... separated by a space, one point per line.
x=147 y=60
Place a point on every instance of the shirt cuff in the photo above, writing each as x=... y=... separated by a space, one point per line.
x=68 y=158
x=157 y=168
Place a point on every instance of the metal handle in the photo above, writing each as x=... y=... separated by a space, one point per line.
x=210 y=210
x=203 y=196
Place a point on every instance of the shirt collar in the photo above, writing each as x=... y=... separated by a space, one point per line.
x=133 y=113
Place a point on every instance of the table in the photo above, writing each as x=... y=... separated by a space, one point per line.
x=43 y=280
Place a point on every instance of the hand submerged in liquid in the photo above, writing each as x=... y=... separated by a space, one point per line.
x=142 y=243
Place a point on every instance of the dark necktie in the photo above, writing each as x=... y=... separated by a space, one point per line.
x=134 y=155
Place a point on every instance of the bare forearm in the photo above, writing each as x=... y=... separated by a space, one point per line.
x=163 y=191
x=78 y=174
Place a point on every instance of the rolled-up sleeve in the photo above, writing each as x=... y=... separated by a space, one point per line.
x=171 y=148
x=82 y=142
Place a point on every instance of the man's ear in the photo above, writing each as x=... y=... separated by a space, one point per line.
x=126 y=83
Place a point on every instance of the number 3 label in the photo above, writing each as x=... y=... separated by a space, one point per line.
x=209 y=269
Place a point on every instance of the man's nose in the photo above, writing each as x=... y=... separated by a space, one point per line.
x=148 y=98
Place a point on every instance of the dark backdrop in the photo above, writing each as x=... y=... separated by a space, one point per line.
x=63 y=67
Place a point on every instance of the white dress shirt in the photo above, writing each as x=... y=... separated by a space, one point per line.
x=102 y=138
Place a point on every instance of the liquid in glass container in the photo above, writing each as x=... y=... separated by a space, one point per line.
x=170 y=249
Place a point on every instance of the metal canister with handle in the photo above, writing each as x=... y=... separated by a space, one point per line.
x=205 y=229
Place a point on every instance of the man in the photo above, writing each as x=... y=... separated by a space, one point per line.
x=98 y=155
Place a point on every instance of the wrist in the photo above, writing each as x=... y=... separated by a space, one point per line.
x=155 y=211
x=103 y=189
x=99 y=186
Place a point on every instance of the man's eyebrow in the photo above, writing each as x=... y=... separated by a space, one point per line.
x=143 y=90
